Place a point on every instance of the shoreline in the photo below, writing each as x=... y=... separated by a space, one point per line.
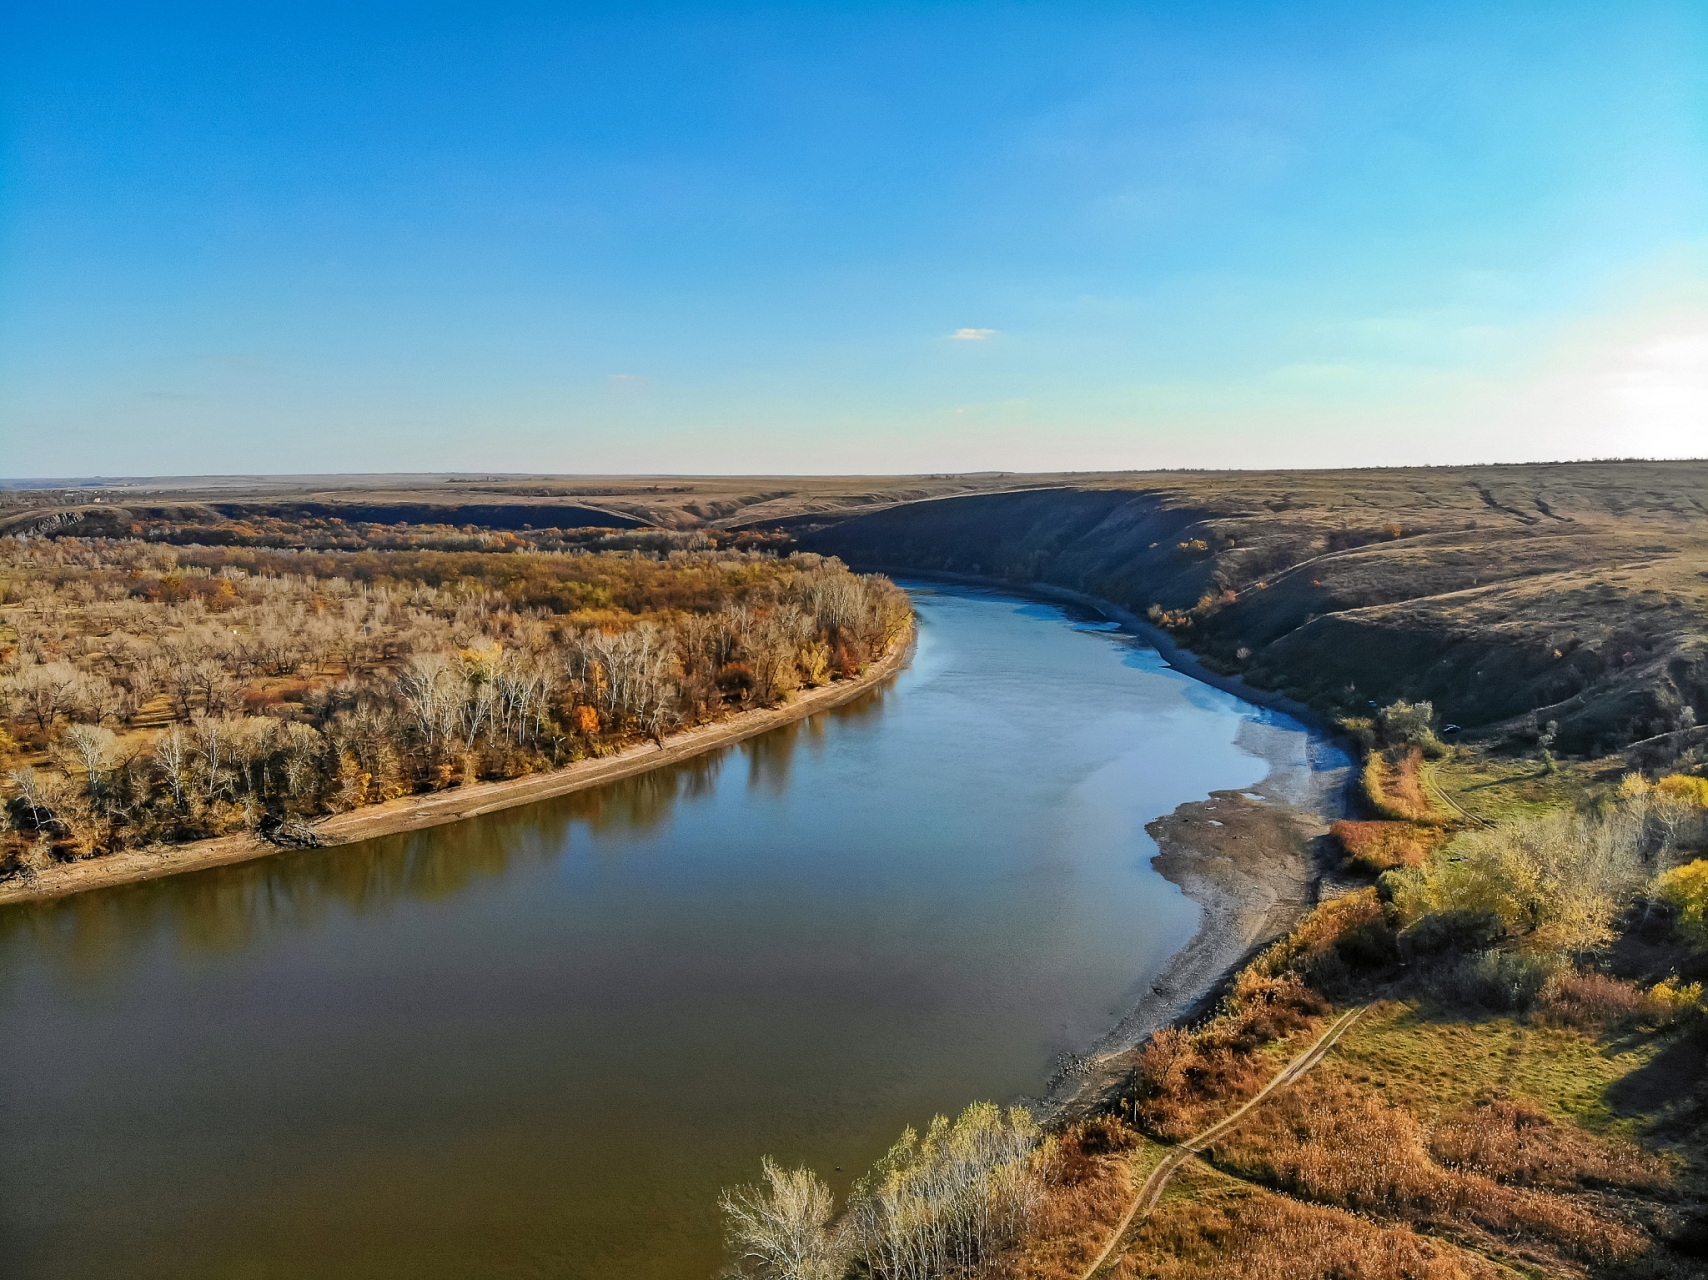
x=1254 y=861
x=1173 y=652
x=1255 y=865
x=439 y=808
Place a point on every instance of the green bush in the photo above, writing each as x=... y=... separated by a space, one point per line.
x=1450 y=933
x=1371 y=945
x=1504 y=981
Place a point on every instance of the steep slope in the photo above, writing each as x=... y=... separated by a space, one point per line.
x=1573 y=593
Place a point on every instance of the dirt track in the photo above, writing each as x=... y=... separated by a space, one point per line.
x=1153 y=1186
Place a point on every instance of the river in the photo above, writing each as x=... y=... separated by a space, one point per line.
x=537 y=1043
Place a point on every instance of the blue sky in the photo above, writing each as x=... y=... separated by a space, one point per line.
x=865 y=238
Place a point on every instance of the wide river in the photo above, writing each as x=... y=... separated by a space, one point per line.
x=536 y=1044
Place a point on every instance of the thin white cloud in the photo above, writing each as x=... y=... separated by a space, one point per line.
x=972 y=335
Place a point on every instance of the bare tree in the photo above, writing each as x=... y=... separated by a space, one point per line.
x=783 y=1230
x=172 y=757
x=95 y=750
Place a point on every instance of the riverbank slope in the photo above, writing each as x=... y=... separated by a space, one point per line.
x=1508 y=596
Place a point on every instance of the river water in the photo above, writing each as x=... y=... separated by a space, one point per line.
x=537 y=1043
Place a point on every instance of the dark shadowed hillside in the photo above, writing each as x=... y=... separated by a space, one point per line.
x=1572 y=592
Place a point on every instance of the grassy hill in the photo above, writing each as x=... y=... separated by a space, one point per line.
x=1508 y=596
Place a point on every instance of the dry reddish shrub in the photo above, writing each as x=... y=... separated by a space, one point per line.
x=1263 y=1010
x=1102 y=1136
x=1261 y=1236
x=1205 y=1086
x=1081 y=1153
x=1088 y=1189
x=1185 y=1081
x=1341 y=1145
x=1381 y=846
x=1593 y=1002
x=1512 y=1142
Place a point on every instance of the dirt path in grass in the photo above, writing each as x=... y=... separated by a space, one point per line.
x=1153 y=1187
x=414 y=813
x=1441 y=793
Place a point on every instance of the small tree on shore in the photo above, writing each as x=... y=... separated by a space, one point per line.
x=783 y=1229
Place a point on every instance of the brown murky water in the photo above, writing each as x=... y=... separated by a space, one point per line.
x=536 y=1044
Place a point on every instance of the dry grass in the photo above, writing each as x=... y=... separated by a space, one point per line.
x=1096 y=1167
x=1337 y=1143
x=1513 y=1142
x=1438 y=1062
x=1500 y=787
x=1595 y=1003
x=1393 y=787
x=1212 y=1228
x=1382 y=845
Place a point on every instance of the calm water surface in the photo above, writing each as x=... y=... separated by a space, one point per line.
x=536 y=1044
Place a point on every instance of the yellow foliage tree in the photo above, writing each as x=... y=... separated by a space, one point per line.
x=1685 y=789
x=1556 y=882
x=1686 y=888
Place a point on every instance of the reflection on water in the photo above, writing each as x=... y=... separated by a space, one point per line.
x=232 y=908
x=536 y=1043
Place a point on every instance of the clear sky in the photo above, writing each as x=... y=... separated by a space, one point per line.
x=866 y=238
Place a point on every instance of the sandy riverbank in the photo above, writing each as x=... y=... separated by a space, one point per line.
x=1255 y=864
x=412 y=813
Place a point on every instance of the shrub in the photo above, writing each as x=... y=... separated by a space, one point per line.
x=1450 y=933
x=1681 y=1001
x=1594 y=1003
x=1411 y=725
x=1556 y=882
x=1361 y=729
x=1685 y=788
x=1382 y=846
x=1316 y=935
x=1371 y=945
x=1686 y=890
x=1103 y=1135
x=1504 y=981
x=1080 y=1154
